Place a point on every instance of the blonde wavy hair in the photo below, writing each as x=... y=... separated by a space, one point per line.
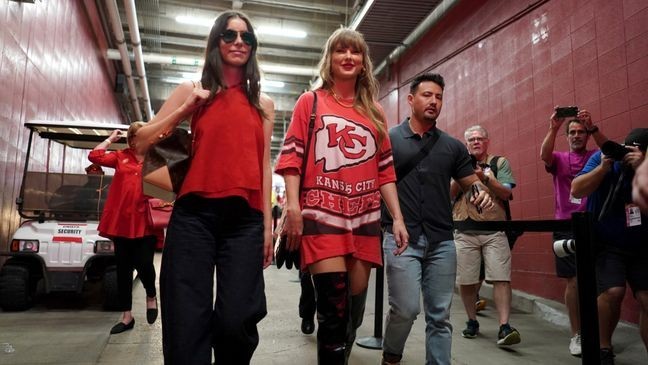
x=366 y=88
x=132 y=131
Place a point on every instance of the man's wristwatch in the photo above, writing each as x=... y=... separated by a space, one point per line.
x=593 y=130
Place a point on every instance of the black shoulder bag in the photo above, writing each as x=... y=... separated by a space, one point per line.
x=511 y=235
x=407 y=167
x=281 y=254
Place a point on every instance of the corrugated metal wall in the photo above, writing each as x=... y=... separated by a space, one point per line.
x=50 y=68
x=593 y=54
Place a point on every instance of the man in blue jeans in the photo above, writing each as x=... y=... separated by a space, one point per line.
x=428 y=265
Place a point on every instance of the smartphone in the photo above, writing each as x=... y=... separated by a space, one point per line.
x=566 y=111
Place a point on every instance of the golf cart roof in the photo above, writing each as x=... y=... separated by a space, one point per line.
x=77 y=134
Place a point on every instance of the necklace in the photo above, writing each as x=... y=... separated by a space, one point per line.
x=339 y=100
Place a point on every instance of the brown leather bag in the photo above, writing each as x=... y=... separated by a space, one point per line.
x=166 y=164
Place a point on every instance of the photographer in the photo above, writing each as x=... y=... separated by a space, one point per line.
x=563 y=166
x=490 y=246
x=620 y=231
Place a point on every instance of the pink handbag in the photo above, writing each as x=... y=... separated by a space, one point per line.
x=159 y=213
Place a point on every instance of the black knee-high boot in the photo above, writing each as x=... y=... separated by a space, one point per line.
x=356 y=314
x=332 y=316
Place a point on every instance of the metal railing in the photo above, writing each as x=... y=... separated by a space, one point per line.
x=581 y=225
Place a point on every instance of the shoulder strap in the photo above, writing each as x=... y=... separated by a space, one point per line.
x=494 y=167
x=405 y=169
x=311 y=126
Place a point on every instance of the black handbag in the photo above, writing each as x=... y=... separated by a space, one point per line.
x=282 y=255
x=166 y=164
x=511 y=235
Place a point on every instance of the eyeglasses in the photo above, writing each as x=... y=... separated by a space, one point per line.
x=574 y=133
x=230 y=36
x=476 y=139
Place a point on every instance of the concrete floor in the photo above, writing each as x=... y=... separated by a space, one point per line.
x=72 y=329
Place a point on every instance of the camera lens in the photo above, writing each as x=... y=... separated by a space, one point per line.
x=564 y=248
x=614 y=150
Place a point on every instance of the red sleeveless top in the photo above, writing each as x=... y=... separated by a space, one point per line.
x=228 y=147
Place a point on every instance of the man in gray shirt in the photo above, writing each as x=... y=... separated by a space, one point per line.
x=428 y=265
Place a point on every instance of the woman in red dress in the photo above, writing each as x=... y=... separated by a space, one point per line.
x=124 y=221
x=336 y=219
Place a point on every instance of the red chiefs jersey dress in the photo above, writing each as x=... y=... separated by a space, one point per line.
x=340 y=194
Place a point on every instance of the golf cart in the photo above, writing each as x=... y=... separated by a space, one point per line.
x=57 y=243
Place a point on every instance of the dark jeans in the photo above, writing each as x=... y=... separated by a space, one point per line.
x=203 y=234
x=134 y=254
x=307 y=298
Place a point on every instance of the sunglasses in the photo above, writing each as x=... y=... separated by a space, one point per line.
x=230 y=36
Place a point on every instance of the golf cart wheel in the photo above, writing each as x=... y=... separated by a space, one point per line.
x=15 y=289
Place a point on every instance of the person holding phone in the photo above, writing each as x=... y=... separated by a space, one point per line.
x=563 y=166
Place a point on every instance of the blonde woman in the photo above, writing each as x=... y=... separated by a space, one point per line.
x=335 y=221
x=124 y=221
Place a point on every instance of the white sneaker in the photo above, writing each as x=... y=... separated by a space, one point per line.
x=575 y=345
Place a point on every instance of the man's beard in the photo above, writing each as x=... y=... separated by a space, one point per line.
x=578 y=148
x=429 y=120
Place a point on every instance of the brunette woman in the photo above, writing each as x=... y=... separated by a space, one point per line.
x=336 y=218
x=221 y=219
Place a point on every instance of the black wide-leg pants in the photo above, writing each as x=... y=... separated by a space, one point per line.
x=207 y=235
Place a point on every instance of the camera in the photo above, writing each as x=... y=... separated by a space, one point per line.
x=614 y=150
x=474 y=163
x=564 y=248
x=566 y=111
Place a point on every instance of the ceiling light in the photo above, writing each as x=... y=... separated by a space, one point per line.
x=272 y=83
x=173 y=80
x=192 y=20
x=191 y=76
x=273 y=68
x=282 y=32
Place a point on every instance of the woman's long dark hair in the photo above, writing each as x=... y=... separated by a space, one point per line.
x=212 y=74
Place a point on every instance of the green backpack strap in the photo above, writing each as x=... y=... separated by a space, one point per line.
x=494 y=166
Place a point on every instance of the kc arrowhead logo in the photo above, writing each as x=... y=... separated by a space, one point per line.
x=342 y=142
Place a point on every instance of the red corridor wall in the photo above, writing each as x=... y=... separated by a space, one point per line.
x=51 y=68
x=593 y=54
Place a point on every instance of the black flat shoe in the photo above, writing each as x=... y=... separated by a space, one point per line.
x=121 y=327
x=151 y=314
x=307 y=326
